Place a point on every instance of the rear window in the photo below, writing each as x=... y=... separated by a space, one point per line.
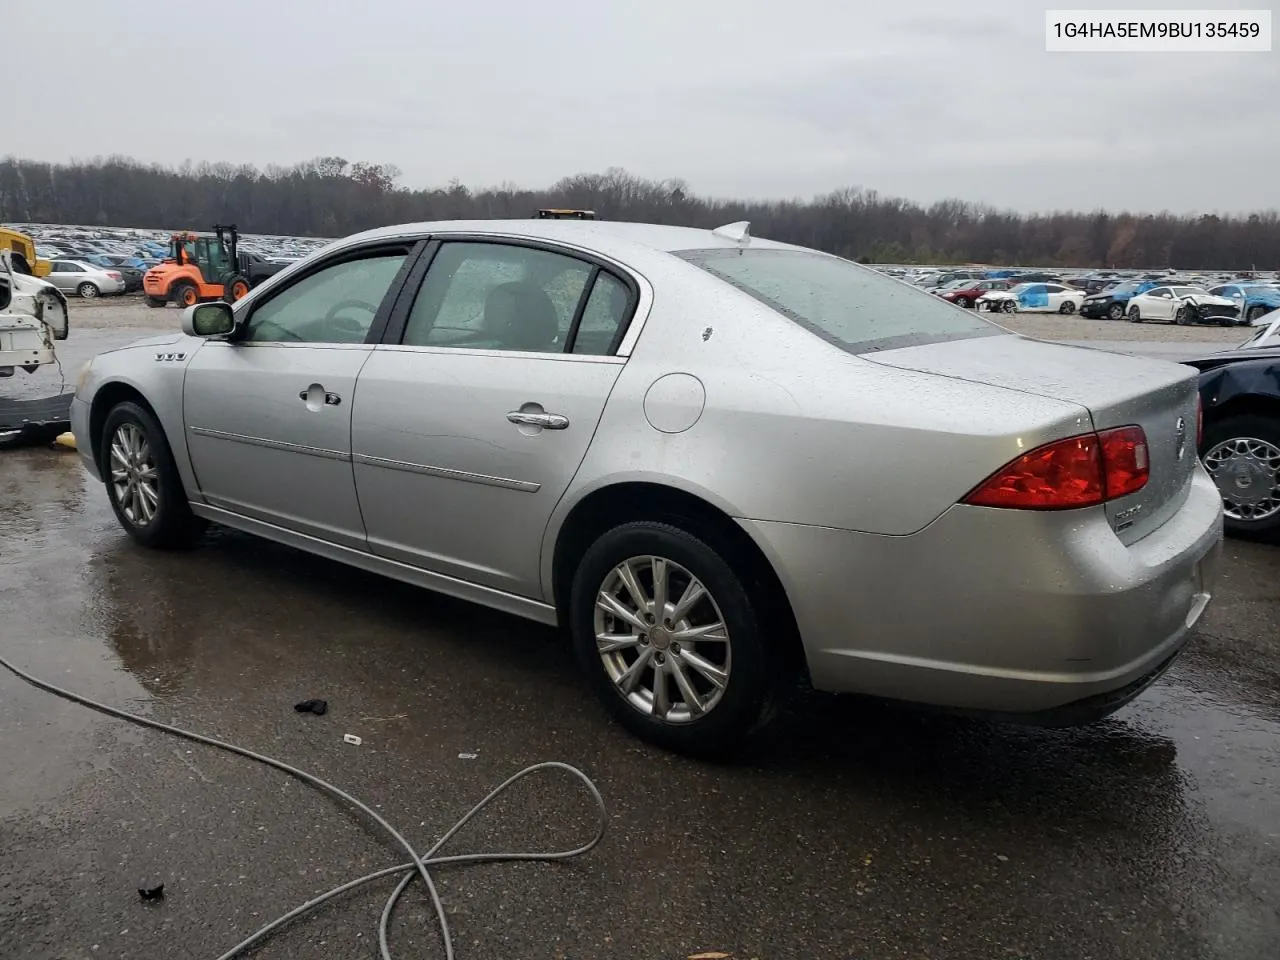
x=849 y=305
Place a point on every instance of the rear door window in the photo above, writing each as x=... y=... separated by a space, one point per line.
x=849 y=305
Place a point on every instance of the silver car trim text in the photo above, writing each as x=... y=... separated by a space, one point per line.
x=524 y=486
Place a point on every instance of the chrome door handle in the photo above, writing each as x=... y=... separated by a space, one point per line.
x=551 y=421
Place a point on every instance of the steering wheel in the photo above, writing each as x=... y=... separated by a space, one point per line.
x=332 y=316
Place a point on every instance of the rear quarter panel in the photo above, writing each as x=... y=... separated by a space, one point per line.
x=796 y=430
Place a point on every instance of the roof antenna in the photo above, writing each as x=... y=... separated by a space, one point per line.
x=739 y=232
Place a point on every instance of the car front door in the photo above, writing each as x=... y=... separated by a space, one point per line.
x=268 y=410
x=1158 y=304
x=472 y=420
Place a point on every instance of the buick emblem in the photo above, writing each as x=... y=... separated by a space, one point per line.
x=1180 y=438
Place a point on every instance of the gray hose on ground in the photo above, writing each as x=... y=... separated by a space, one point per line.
x=417 y=865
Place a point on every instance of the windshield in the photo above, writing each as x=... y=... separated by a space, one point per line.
x=1186 y=291
x=848 y=305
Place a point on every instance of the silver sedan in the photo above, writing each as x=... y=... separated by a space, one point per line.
x=84 y=279
x=728 y=467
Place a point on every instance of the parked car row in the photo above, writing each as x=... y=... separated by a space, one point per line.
x=130 y=253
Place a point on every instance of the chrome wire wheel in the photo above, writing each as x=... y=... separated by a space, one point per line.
x=134 y=477
x=1247 y=472
x=662 y=639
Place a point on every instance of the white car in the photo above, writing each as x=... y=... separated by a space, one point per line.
x=1183 y=305
x=1032 y=298
x=84 y=279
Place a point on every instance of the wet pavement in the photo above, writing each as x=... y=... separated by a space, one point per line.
x=851 y=831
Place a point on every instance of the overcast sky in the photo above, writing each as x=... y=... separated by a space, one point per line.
x=918 y=98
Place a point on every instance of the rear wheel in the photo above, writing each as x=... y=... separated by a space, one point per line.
x=184 y=294
x=235 y=288
x=1135 y=315
x=1116 y=311
x=142 y=479
x=88 y=290
x=1242 y=454
x=1068 y=306
x=672 y=638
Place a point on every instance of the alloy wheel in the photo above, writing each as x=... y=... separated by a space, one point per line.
x=662 y=639
x=134 y=476
x=1247 y=472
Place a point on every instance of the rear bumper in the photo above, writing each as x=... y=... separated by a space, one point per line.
x=1000 y=611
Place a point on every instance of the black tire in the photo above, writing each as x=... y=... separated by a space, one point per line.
x=1135 y=315
x=1116 y=311
x=172 y=524
x=1185 y=315
x=746 y=703
x=1254 y=313
x=962 y=301
x=1008 y=306
x=1068 y=307
x=88 y=290
x=235 y=287
x=182 y=293
x=156 y=301
x=1251 y=426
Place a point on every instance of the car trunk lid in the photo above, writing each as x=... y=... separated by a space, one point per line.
x=1116 y=389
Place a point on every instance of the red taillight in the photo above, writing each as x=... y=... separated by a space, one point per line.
x=1125 y=465
x=1080 y=471
x=113 y=275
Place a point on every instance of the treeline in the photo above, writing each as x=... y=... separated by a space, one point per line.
x=330 y=197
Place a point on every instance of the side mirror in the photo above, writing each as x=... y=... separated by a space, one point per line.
x=213 y=319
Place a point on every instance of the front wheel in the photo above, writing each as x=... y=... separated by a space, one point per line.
x=1135 y=315
x=1186 y=315
x=87 y=290
x=1116 y=311
x=672 y=638
x=184 y=294
x=1008 y=306
x=962 y=301
x=142 y=479
x=1242 y=454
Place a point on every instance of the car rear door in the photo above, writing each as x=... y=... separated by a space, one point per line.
x=268 y=411
x=63 y=276
x=472 y=420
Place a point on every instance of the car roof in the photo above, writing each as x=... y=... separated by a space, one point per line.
x=614 y=237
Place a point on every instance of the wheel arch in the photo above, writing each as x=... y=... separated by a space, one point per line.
x=105 y=399
x=1243 y=404
x=626 y=501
